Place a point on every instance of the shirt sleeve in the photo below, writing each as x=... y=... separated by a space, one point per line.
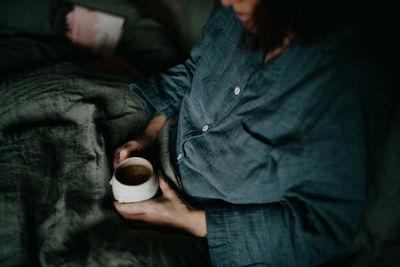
x=322 y=188
x=164 y=91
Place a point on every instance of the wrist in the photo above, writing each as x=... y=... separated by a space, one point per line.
x=154 y=127
x=197 y=223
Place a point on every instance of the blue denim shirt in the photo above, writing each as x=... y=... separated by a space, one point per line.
x=276 y=151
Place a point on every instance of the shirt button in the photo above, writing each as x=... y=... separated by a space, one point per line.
x=179 y=156
x=237 y=90
x=205 y=128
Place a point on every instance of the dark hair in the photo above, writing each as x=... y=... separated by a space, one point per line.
x=308 y=21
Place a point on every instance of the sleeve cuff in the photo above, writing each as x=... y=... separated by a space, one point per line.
x=248 y=235
x=220 y=234
x=152 y=101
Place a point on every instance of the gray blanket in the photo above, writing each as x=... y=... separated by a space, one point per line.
x=59 y=127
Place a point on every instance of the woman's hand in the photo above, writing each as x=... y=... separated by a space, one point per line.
x=167 y=210
x=142 y=142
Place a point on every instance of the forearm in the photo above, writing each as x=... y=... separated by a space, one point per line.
x=155 y=125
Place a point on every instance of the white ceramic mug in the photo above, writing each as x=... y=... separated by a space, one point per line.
x=134 y=180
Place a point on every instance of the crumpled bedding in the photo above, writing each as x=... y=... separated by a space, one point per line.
x=59 y=127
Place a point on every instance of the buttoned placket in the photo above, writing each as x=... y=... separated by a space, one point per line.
x=237 y=91
x=206 y=127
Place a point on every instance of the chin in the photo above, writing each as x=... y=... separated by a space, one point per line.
x=248 y=26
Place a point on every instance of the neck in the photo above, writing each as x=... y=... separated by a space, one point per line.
x=273 y=53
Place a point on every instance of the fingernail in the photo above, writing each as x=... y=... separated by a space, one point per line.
x=122 y=154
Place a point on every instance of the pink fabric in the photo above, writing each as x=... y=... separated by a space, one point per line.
x=81 y=21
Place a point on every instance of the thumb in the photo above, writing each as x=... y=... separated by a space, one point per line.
x=123 y=154
x=131 y=208
x=165 y=187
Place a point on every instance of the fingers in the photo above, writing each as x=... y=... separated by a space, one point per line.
x=133 y=211
x=124 y=151
x=166 y=210
x=119 y=155
x=167 y=190
x=116 y=157
x=134 y=208
x=123 y=154
x=146 y=211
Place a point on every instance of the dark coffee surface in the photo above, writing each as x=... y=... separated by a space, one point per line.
x=133 y=174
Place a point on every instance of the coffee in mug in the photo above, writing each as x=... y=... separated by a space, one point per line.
x=133 y=174
x=134 y=180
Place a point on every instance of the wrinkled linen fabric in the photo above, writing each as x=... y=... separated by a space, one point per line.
x=276 y=152
x=59 y=127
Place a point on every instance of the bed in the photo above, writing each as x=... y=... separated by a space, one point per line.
x=61 y=121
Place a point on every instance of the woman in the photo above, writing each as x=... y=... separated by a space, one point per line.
x=271 y=139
